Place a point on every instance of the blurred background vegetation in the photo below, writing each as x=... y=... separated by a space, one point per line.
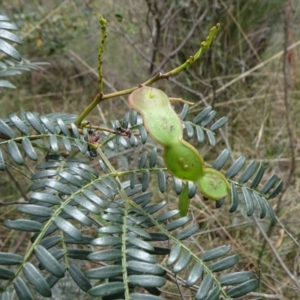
x=248 y=75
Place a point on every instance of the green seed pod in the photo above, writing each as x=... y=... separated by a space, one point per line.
x=160 y=119
x=182 y=159
x=213 y=184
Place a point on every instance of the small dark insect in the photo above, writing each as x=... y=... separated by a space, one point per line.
x=94 y=137
x=124 y=130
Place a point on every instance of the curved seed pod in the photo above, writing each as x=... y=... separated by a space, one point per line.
x=163 y=124
x=182 y=159
x=213 y=184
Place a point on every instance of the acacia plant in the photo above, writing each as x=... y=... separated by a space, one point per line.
x=101 y=228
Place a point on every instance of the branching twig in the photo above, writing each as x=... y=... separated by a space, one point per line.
x=99 y=97
x=100 y=53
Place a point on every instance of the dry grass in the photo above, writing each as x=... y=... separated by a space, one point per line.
x=255 y=104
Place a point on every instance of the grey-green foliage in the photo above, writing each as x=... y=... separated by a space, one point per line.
x=78 y=212
x=9 y=67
